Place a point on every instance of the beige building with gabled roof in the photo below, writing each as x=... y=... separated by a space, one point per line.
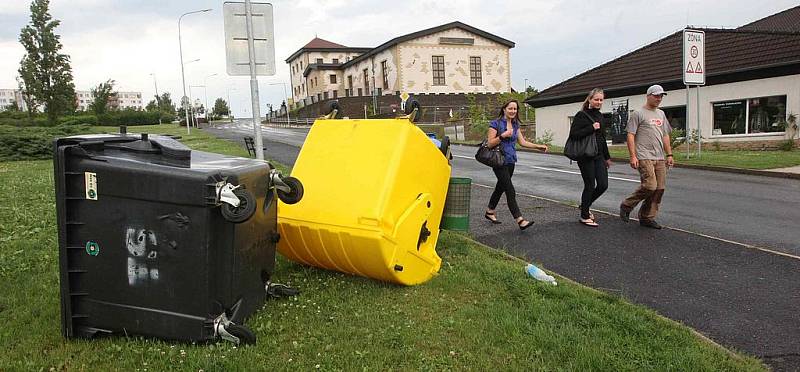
x=451 y=58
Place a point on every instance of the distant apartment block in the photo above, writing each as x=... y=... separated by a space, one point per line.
x=122 y=100
x=9 y=96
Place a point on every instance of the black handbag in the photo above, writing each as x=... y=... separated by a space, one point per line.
x=581 y=148
x=491 y=156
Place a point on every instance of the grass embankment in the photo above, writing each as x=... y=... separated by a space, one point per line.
x=482 y=312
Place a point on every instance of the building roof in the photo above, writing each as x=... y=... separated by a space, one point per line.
x=322 y=45
x=785 y=21
x=731 y=55
x=429 y=31
x=326 y=46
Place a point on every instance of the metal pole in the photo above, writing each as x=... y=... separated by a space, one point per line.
x=525 y=89
x=158 y=99
x=286 y=97
x=183 y=76
x=699 y=132
x=253 y=82
x=686 y=123
x=230 y=113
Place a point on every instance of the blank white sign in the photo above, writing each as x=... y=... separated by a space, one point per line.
x=236 y=51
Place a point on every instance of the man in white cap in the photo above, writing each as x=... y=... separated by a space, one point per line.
x=650 y=152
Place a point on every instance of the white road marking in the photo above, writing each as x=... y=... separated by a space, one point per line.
x=558 y=170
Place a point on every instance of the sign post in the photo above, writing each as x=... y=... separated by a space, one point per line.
x=250 y=50
x=694 y=73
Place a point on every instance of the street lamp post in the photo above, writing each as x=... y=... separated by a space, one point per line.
x=525 y=89
x=183 y=77
x=286 y=97
x=194 y=115
x=205 y=91
x=158 y=99
x=230 y=107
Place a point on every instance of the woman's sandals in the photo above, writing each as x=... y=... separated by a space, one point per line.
x=524 y=224
x=591 y=221
x=491 y=217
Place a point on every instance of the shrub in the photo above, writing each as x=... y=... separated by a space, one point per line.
x=34 y=142
x=677 y=137
x=787 y=145
x=546 y=138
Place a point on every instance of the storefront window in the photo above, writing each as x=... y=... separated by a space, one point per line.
x=729 y=117
x=676 y=116
x=750 y=116
x=767 y=114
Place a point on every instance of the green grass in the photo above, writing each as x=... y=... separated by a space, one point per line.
x=732 y=158
x=481 y=312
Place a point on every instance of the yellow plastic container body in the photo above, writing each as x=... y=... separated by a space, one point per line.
x=372 y=188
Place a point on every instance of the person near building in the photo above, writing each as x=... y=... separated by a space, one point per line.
x=504 y=131
x=650 y=153
x=594 y=171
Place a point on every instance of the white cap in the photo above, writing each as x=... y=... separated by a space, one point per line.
x=656 y=90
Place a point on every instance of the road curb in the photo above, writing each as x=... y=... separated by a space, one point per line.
x=754 y=172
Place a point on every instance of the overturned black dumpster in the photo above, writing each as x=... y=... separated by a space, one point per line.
x=158 y=240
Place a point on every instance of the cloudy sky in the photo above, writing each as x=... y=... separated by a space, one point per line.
x=127 y=40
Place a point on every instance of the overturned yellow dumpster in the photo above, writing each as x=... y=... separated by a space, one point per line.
x=373 y=200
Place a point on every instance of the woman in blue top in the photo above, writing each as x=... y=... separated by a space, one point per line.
x=502 y=134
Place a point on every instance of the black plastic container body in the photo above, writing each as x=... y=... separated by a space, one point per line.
x=144 y=248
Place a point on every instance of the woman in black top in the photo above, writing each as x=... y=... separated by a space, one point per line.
x=589 y=122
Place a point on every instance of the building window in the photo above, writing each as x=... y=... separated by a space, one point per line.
x=301 y=65
x=319 y=97
x=750 y=116
x=347 y=59
x=336 y=60
x=676 y=116
x=437 y=63
x=385 y=71
x=475 y=71
x=336 y=93
x=325 y=94
x=350 y=83
x=319 y=61
x=360 y=92
x=333 y=79
x=366 y=80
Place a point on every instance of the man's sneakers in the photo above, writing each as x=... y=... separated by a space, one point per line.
x=650 y=223
x=624 y=213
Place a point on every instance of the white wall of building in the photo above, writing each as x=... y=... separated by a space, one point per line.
x=556 y=119
x=415 y=59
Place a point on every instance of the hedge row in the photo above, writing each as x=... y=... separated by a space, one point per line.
x=127 y=117
x=33 y=143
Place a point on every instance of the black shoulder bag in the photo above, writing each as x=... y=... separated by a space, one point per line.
x=491 y=156
x=581 y=148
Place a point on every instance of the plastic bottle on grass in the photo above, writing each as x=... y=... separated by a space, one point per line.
x=539 y=274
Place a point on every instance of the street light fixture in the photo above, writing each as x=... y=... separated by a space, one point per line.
x=158 y=99
x=286 y=97
x=183 y=76
x=194 y=114
x=525 y=89
x=205 y=91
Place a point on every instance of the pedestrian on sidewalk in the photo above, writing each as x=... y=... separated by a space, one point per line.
x=504 y=131
x=594 y=171
x=650 y=152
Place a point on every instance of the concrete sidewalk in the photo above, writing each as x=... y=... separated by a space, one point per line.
x=739 y=297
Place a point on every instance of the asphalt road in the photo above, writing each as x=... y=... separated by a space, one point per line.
x=739 y=296
x=752 y=210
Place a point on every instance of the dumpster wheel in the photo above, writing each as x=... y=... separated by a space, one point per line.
x=245 y=210
x=245 y=335
x=296 y=191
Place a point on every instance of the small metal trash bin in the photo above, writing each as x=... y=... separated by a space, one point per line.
x=456 y=206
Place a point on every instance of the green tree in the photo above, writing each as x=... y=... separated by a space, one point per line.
x=221 y=107
x=45 y=71
x=102 y=93
x=162 y=103
x=27 y=98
